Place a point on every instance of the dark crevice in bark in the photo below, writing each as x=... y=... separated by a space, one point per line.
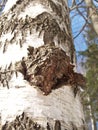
x=24 y=122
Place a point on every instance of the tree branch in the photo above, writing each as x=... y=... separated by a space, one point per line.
x=77 y=6
x=80 y=30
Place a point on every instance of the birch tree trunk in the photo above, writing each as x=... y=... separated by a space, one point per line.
x=93 y=15
x=38 y=83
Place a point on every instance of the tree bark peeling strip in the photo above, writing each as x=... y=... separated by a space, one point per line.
x=46 y=22
x=24 y=122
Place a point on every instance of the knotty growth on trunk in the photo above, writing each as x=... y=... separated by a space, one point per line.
x=41 y=33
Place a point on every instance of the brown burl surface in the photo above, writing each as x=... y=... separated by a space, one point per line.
x=48 y=67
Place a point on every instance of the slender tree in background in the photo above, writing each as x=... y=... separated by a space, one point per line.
x=87 y=9
x=91 y=62
x=91 y=66
x=39 y=88
x=93 y=14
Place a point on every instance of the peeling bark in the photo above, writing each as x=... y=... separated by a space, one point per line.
x=23 y=122
x=50 y=24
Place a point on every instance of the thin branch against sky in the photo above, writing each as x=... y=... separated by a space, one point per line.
x=82 y=29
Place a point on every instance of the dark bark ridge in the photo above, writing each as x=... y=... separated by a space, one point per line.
x=48 y=67
x=5 y=75
x=24 y=122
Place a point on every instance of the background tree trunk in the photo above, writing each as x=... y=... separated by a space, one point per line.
x=36 y=23
x=93 y=15
x=92 y=118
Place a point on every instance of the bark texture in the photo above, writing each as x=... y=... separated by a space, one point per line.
x=51 y=22
x=23 y=122
x=49 y=68
x=37 y=52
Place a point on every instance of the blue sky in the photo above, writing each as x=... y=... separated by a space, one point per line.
x=79 y=41
x=77 y=22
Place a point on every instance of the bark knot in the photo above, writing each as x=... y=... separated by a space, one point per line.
x=48 y=67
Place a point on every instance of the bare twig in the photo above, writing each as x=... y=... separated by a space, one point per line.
x=96 y=0
x=74 y=6
x=86 y=21
x=73 y=3
x=85 y=18
x=80 y=2
x=80 y=30
x=77 y=13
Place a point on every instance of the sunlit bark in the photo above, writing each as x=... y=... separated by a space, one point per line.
x=38 y=23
